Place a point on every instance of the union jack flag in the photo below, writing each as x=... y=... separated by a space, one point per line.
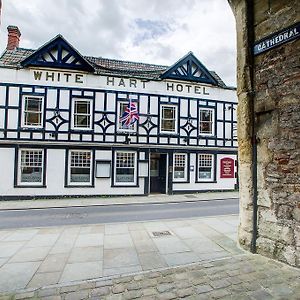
x=130 y=115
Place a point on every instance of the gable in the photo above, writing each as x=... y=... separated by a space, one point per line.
x=189 y=68
x=58 y=53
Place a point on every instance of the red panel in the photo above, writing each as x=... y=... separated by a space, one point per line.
x=227 y=167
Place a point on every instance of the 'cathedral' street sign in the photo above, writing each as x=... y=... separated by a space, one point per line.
x=277 y=39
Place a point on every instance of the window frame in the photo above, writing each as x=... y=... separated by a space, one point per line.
x=186 y=169
x=18 y=172
x=162 y=105
x=90 y=101
x=213 y=168
x=41 y=112
x=213 y=121
x=135 y=170
x=81 y=183
x=134 y=126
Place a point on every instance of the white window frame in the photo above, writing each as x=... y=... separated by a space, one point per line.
x=81 y=183
x=30 y=183
x=41 y=112
x=73 y=113
x=131 y=128
x=135 y=167
x=176 y=118
x=211 y=167
x=185 y=167
x=212 y=121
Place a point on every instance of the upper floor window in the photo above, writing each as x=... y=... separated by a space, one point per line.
x=82 y=114
x=31 y=166
x=80 y=167
x=180 y=167
x=168 y=118
x=127 y=115
x=33 y=111
x=206 y=121
x=205 y=167
x=125 y=167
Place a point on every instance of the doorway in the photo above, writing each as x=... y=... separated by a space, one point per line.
x=158 y=173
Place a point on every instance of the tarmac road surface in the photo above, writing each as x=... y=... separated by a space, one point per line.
x=115 y=213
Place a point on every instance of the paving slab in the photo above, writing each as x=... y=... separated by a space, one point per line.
x=30 y=254
x=15 y=276
x=21 y=235
x=182 y=258
x=88 y=240
x=117 y=241
x=81 y=271
x=86 y=254
x=44 y=279
x=167 y=245
x=116 y=228
x=152 y=260
x=43 y=240
x=8 y=249
x=125 y=257
x=54 y=263
x=144 y=245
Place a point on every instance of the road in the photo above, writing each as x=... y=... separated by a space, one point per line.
x=115 y=213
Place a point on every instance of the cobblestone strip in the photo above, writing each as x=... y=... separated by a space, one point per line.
x=239 y=277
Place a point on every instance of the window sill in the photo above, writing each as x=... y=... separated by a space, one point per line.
x=30 y=186
x=79 y=186
x=181 y=181
x=206 y=136
x=206 y=181
x=77 y=130
x=32 y=128
x=124 y=185
x=167 y=134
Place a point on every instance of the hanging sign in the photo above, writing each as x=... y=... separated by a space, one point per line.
x=227 y=167
x=277 y=39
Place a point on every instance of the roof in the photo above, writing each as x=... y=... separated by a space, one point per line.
x=102 y=66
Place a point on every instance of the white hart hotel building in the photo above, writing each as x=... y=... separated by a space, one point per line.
x=74 y=125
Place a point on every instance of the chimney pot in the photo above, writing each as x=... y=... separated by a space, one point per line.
x=13 y=38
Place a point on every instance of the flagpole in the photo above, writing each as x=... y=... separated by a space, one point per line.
x=129 y=140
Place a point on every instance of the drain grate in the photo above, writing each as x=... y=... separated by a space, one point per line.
x=161 y=233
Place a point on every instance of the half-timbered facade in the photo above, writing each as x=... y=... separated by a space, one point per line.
x=61 y=132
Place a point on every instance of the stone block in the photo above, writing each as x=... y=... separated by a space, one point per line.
x=118 y=288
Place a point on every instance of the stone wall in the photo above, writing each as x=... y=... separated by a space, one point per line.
x=276 y=103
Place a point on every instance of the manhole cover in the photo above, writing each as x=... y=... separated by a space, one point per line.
x=161 y=233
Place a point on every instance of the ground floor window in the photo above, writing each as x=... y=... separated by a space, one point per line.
x=31 y=166
x=205 y=167
x=180 y=167
x=125 y=167
x=80 y=167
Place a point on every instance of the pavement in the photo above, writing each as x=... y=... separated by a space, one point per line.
x=114 y=200
x=196 y=258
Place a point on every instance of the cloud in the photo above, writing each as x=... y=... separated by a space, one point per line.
x=150 y=29
x=155 y=31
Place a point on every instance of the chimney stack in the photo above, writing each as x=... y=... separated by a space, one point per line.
x=13 y=37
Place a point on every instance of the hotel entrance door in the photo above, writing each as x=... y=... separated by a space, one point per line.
x=158 y=171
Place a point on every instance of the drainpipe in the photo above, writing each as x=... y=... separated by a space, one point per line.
x=250 y=29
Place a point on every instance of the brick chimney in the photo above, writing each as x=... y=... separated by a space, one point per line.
x=13 y=37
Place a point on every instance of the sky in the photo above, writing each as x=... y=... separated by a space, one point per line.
x=150 y=31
